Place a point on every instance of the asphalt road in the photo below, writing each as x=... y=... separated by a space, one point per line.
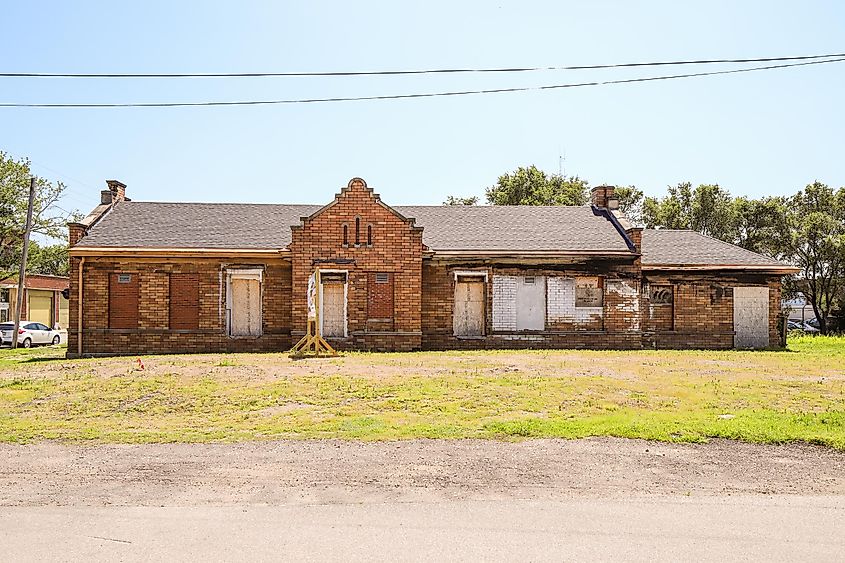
x=596 y=499
x=760 y=528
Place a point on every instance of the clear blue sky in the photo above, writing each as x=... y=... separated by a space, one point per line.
x=757 y=133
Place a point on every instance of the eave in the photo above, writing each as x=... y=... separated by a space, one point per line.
x=482 y=254
x=761 y=268
x=164 y=252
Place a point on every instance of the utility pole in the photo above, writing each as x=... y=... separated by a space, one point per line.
x=24 y=254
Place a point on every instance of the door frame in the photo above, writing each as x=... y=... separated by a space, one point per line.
x=244 y=274
x=482 y=277
x=345 y=301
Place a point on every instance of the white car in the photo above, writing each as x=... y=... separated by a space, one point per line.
x=29 y=334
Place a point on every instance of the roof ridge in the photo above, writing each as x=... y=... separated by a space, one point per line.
x=221 y=203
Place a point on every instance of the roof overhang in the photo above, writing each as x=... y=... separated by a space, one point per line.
x=782 y=269
x=502 y=256
x=165 y=252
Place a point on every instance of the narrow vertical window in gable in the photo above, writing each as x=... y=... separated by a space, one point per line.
x=369 y=235
x=345 y=234
x=357 y=231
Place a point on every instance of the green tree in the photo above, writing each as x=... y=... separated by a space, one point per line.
x=50 y=259
x=762 y=225
x=631 y=203
x=707 y=209
x=817 y=245
x=455 y=200
x=48 y=220
x=532 y=186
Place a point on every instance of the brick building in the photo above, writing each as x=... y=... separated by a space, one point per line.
x=43 y=299
x=191 y=277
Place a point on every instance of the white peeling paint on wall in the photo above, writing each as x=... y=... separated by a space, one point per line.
x=561 y=303
x=629 y=301
x=504 y=302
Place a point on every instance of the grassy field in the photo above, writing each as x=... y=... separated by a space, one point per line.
x=770 y=397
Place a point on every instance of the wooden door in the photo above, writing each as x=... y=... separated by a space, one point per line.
x=246 y=307
x=531 y=303
x=751 y=317
x=333 y=309
x=468 y=319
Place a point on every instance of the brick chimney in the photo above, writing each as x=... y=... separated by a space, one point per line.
x=75 y=232
x=603 y=196
x=115 y=193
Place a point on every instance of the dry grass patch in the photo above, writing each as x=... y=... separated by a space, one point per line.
x=665 y=395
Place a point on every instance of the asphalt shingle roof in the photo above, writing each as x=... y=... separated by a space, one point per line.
x=445 y=228
x=515 y=228
x=197 y=225
x=690 y=248
x=262 y=226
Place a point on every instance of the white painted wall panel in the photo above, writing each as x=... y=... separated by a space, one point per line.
x=561 y=303
x=504 y=302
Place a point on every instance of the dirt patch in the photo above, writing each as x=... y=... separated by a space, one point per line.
x=339 y=471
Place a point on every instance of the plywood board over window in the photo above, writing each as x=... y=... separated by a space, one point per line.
x=589 y=292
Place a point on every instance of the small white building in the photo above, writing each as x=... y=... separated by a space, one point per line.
x=798 y=308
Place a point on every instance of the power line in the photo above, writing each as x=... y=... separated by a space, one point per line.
x=407 y=96
x=405 y=72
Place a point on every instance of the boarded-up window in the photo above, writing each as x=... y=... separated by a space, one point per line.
x=184 y=301
x=123 y=300
x=589 y=292
x=380 y=295
x=661 y=307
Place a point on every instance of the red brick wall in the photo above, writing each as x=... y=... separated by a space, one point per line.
x=123 y=301
x=184 y=301
x=380 y=302
x=703 y=309
x=153 y=333
x=397 y=249
x=618 y=327
x=75 y=232
x=179 y=305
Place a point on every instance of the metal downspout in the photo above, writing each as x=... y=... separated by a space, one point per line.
x=79 y=310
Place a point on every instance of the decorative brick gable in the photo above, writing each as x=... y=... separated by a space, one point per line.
x=396 y=249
